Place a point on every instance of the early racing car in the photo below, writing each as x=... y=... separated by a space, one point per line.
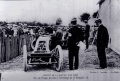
x=42 y=54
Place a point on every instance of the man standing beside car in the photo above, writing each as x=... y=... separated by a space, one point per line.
x=102 y=43
x=74 y=35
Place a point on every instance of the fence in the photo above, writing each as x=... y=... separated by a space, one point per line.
x=11 y=47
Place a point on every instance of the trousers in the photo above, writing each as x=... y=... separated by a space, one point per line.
x=73 y=55
x=102 y=56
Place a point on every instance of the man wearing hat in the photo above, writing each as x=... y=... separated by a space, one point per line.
x=102 y=43
x=75 y=35
x=9 y=32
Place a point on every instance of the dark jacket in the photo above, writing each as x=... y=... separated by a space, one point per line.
x=102 y=36
x=76 y=36
x=9 y=31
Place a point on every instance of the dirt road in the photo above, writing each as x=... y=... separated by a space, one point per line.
x=87 y=60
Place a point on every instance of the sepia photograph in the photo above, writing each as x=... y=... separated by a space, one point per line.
x=59 y=40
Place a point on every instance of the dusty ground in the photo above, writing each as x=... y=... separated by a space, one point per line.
x=87 y=61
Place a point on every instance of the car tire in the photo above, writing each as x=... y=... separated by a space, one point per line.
x=59 y=52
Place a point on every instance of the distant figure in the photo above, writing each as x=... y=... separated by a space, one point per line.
x=31 y=31
x=102 y=43
x=26 y=31
x=8 y=31
x=37 y=30
x=75 y=35
x=20 y=31
x=15 y=29
x=1 y=32
x=87 y=29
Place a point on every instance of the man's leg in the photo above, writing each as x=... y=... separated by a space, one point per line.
x=70 y=59
x=76 y=57
x=99 y=52
x=103 y=58
x=87 y=45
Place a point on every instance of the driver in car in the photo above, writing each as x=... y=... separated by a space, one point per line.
x=55 y=38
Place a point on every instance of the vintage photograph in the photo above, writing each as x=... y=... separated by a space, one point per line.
x=50 y=37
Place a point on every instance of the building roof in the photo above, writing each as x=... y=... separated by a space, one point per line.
x=101 y=1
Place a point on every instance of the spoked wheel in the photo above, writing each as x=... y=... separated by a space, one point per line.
x=25 y=58
x=33 y=44
x=58 y=58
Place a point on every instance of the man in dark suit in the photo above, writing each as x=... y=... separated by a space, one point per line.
x=74 y=35
x=102 y=43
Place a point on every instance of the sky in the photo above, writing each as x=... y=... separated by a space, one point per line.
x=45 y=11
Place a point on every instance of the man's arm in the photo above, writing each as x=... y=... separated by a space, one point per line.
x=80 y=36
x=106 y=37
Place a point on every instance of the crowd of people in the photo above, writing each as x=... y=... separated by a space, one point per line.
x=74 y=34
x=9 y=29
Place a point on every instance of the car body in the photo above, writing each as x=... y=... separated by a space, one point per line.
x=43 y=55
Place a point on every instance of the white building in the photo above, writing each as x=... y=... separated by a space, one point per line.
x=109 y=12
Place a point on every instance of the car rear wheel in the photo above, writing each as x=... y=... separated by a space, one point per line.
x=33 y=43
x=59 y=58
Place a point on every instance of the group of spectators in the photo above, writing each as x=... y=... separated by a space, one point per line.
x=18 y=30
